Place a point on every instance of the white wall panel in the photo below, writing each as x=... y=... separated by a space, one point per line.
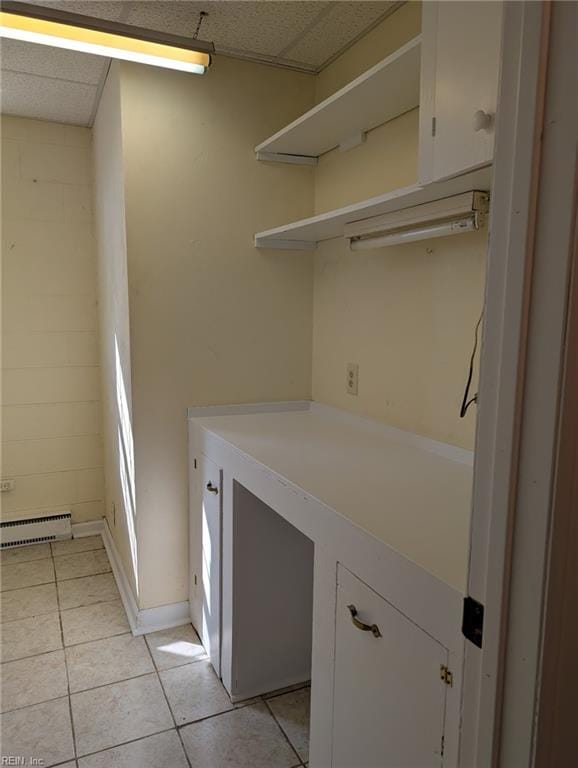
x=50 y=428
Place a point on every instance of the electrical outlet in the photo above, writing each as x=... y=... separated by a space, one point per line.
x=352 y=378
x=6 y=485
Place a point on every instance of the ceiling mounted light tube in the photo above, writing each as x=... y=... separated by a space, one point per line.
x=466 y=224
x=75 y=32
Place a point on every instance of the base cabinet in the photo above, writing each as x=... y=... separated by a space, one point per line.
x=205 y=554
x=389 y=696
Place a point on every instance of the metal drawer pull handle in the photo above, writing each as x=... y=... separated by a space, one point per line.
x=373 y=628
x=212 y=488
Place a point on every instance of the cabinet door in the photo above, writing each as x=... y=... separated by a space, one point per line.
x=206 y=512
x=460 y=72
x=389 y=700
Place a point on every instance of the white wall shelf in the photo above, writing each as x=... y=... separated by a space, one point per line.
x=304 y=235
x=385 y=91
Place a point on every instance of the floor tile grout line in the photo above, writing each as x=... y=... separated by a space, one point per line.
x=253 y=701
x=63 y=649
x=179 y=726
x=111 y=683
x=36 y=656
x=41 y=584
x=31 y=656
x=65 y=610
x=285 y=691
x=66 y=669
x=85 y=576
x=55 y=580
x=287 y=739
x=51 y=556
x=77 y=552
x=25 y=618
x=182 y=743
x=88 y=605
x=179 y=736
x=36 y=704
x=25 y=562
x=124 y=743
x=70 y=645
x=72 y=554
x=65 y=762
x=155 y=671
x=94 y=639
x=217 y=714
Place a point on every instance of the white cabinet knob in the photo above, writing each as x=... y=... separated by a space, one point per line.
x=482 y=120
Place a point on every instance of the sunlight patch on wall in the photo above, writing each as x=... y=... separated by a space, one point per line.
x=126 y=461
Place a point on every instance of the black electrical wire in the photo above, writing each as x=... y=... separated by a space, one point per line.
x=465 y=402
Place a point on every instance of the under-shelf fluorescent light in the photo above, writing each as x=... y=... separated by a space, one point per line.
x=75 y=32
x=416 y=233
x=438 y=218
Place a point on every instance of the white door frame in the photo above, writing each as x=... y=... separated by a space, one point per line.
x=521 y=368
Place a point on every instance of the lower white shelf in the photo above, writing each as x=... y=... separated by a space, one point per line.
x=304 y=235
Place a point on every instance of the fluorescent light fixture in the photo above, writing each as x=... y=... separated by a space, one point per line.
x=75 y=32
x=438 y=218
x=416 y=233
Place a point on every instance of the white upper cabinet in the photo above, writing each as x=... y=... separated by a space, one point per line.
x=459 y=86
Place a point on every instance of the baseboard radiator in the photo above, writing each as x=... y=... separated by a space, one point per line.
x=49 y=526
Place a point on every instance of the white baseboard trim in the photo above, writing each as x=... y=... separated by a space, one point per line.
x=90 y=528
x=142 y=621
x=162 y=617
x=126 y=594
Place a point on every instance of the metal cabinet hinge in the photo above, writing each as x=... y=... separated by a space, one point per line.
x=446 y=676
x=433 y=126
x=443 y=744
x=194 y=463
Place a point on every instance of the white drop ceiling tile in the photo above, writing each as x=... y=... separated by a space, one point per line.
x=45 y=61
x=113 y=9
x=55 y=85
x=253 y=27
x=46 y=99
x=346 y=22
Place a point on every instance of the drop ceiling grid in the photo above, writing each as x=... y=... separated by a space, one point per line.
x=52 y=84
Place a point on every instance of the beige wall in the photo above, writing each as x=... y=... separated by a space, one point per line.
x=387 y=160
x=405 y=314
x=51 y=424
x=212 y=319
x=113 y=308
x=383 y=40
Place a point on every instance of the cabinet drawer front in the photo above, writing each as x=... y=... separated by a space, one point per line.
x=389 y=700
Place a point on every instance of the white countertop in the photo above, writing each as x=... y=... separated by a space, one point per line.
x=409 y=492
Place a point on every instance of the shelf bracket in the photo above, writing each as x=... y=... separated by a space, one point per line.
x=279 y=157
x=352 y=141
x=285 y=245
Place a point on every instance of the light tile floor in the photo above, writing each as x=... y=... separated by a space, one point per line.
x=79 y=691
